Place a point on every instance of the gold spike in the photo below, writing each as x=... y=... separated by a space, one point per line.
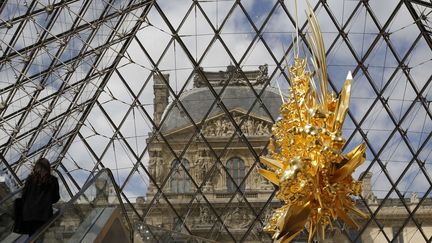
x=357 y=159
x=272 y=177
x=343 y=103
x=274 y=164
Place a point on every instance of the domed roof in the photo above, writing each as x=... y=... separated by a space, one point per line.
x=198 y=102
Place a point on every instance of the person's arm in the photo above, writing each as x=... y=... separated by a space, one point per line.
x=56 y=191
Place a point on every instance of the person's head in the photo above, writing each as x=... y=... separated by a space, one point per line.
x=41 y=171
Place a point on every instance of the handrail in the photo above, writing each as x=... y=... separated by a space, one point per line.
x=69 y=204
x=64 y=182
x=10 y=195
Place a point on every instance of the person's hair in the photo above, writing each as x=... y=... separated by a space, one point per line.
x=41 y=171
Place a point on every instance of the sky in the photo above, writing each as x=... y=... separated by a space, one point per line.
x=237 y=35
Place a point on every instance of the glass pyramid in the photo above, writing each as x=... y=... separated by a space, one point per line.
x=91 y=84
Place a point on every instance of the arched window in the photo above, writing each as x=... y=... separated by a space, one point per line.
x=180 y=182
x=236 y=168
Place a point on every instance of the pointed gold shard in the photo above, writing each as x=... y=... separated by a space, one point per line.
x=270 y=176
x=343 y=103
x=274 y=164
x=354 y=160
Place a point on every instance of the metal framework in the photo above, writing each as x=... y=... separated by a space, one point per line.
x=76 y=83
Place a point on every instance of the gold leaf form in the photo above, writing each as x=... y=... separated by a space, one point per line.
x=305 y=160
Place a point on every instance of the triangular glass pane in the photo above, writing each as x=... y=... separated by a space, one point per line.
x=175 y=120
x=258 y=56
x=341 y=54
x=414 y=183
x=396 y=156
x=137 y=186
x=380 y=185
x=418 y=62
x=64 y=20
x=375 y=232
x=101 y=130
x=135 y=129
x=175 y=11
x=217 y=11
x=135 y=59
x=403 y=31
x=425 y=154
x=80 y=177
x=71 y=160
x=159 y=31
x=377 y=127
x=21 y=99
x=116 y=101
x=216 y=58
x=95 y=10
x=257 y=11
x=301 y=6
x=382 y=11
x=400 y=95
x=381 y=57
x=279 y=33
x=119 y=159
x=10 y=71
x=417 y=125
x=237 y=37
x=31 y=31
x=342 y=10
x=177 y=65
x=362 y=31
x=196 y=39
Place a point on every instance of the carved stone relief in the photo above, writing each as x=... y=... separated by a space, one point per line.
x=205 y=216
x=237 y=218
x=223 y=127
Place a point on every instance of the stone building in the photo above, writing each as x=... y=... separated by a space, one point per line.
x=190 y=174
x=204 y=170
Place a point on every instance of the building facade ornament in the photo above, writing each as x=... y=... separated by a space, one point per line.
x=237 y=218
x=232 y=76
x=222 y=127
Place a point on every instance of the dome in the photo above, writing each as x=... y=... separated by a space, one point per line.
x=198 y=102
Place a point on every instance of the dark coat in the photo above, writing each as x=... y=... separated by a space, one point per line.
x=38 y=199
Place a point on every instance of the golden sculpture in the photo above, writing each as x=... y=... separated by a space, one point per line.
x=305 y=154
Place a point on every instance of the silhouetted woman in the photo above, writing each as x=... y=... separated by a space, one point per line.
x=41 y=190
